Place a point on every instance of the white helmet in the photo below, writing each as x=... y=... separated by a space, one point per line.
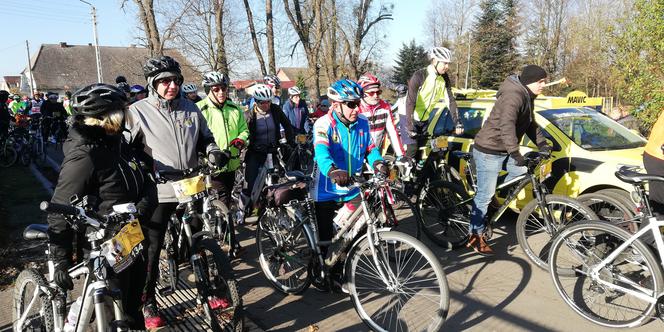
x=294 y=91
x=262 y=92
x=188 y=88
x=441 y=54
x=215 y=78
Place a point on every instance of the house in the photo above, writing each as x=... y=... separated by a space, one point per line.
x=61 y=67
x=292 y=74
x=11 y=83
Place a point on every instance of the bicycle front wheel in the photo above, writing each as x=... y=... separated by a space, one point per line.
x=217 y=287
x=611 y=297
x=8 y=155
x=533 y=233
x=414 y=296
x=39 y=317
x=445 y=211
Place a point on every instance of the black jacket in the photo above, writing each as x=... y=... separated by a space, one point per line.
x=49 y=108
x=512 y=116
x=100 y=166
x=279 y=118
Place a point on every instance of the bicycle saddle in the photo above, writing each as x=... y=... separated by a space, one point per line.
x=36 y=232
x=628 y=175
x=297 y=176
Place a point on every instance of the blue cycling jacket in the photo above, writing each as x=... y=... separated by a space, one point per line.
x=344 y=147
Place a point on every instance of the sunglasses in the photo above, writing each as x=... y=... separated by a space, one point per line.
x=218 y=88
x=352 y=104
x=168 y=80
x=263 y=102
x=373 y=93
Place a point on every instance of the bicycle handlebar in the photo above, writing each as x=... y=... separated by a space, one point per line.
x=59 y=208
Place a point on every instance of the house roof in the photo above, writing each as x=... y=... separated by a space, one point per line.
x=242 y=84
x=12 y=80
x=293 y=73
x=56 y=66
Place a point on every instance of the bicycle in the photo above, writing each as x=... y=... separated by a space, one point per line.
x=375 y=261
x=301 y=157
x=40 y=305
x=606 y=274
x=214 y=279
x=36 y=141
x=447 y=220
x=8 y=153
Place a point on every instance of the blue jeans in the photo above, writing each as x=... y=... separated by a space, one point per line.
x=488 y=167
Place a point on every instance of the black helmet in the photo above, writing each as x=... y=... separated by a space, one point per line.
x=120 y=79
x=97 y=99
x=155 y=66
x=124 y=86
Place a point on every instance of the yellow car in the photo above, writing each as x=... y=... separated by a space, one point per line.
x=588 y=146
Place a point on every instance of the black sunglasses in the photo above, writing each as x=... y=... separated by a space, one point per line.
x=169 y=80
x=352 y=104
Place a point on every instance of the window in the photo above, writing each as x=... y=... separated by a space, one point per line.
x=472 y=119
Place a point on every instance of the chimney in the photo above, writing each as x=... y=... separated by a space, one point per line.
x=63 y=44
x=89 y=44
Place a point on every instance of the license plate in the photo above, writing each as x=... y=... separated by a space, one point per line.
x=122 y=249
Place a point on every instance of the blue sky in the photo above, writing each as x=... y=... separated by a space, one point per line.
x=53 y=21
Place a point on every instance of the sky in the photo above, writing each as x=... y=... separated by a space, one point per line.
x=54 y=21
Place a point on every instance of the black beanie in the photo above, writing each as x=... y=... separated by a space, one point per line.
x=532 y=74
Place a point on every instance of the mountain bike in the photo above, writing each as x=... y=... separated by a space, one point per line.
x=40 y=305
x=394 y=281
x=35 y=148
x=446 y=208
x=301 y=157
x=608 y=275
x=215 y=282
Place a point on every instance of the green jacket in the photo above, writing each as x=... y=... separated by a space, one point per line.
x=226 y=125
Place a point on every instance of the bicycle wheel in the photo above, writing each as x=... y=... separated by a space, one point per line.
x=306 y=161
x=621 y=195
x=608 y=208
x=217 y=286
x=40 y=316
x=284 y=252
x=531 y=229
x=417 y=297
x=39 y=155
x=219 y=214
x=444 y=209
x=402 y=216
x=579 y=248
x=8 y=155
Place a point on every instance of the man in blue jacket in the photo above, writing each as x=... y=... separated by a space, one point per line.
x=296 y=110
x=342 y=141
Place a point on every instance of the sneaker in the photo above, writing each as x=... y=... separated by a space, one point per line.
x=153 y=318
x=478 y=243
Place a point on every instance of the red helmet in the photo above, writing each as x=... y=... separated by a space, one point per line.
x=368 y=81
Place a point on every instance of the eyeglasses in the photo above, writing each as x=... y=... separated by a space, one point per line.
x=263 y=102
x=168 y=80
x=373 y=93
x=352 y=104
x=218 y=88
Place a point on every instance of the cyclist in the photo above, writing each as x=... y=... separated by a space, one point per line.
x=16 y=105
x=264 y=121
x=36 y=103
x=171 y=130
x=275 y=85
x=498 y=139
x=98 y=163
x=66 y=103
x=5 y=117
x=52 y=112
x=321 y=110
x=136 y=93
x=296 y=110
x=400 y=106
x=379 y=114
x=430 y=103
x=227 y=123
x=341 y=144
x=191 y=92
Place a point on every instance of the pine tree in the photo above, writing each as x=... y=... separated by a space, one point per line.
x=301 y=84
x=411 y=57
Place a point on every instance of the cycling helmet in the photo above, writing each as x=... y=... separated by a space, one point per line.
x=155 y=66
x=188 y=88
x=441 y=54
x=368 y=81
x=120 y=79
x=294 y=91
x=124 y=87
x=262 y=92
x=344 y=90
x=136 y=89
x=215 y=78
x=272 y=80
x=401 y=90
x=97 y=99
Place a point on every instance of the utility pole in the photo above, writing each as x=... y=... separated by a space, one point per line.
x=94 y=30
x=31 y=78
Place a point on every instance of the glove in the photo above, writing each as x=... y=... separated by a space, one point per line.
x=338 y=176
x=381 y=168
x=238 y=143
x=545 y=148
x=62 y=278
x=519 y=160
x=218 y=158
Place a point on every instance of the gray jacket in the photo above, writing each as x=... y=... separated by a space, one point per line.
x=172 y=133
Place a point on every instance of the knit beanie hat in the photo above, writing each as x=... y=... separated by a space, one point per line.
x=532 y=74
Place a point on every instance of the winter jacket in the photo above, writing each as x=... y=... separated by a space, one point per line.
x=429 y=96
x=293 y=112
x=279 y=120
x=53 y=109
x=226 y=124
x=101 y=167
x=512 y=116
x=171 y=133
x=341 y=146
x=381 y=121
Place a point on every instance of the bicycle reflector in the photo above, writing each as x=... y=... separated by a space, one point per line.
x=301 y=138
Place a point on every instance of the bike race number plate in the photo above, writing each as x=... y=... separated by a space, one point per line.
x=187 y=190
x=124 y=247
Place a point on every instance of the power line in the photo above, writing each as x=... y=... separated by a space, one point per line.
x=47 y=7
x=11 y=46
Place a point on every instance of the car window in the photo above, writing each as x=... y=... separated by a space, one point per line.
x=471 y=118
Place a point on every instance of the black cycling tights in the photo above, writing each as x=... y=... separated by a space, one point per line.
x=154 y=240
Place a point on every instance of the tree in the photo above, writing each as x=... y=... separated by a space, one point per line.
x=148 y=23
x=254 y=37
x=269 y=27
x=411 y=57
x=301 y=84
x=545 y=33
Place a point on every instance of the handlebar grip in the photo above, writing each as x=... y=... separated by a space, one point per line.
x=58 y=208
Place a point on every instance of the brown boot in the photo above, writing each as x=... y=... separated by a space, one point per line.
x=478 y=243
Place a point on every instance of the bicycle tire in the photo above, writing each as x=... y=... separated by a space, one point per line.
x=623 y=196
x=610 y=209
x=444 y=209
x=532 y=233
x=218 y=290
x=284 y=254
x=430 y=297
x=8 y=156
x=222 y=231
x=596 y=240
x=45 y=321
x=402 y=216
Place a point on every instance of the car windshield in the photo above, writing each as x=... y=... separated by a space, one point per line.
x=592 y=130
